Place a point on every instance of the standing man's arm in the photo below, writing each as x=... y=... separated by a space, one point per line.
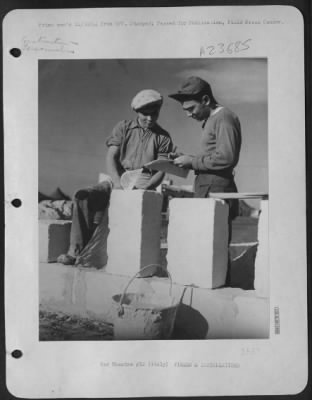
x=112 y=162
x=226 y=154
x=114 y=143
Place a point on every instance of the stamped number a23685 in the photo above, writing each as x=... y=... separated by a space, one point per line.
x=225 y=48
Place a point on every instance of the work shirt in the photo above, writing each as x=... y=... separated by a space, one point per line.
x=221 y=143
x=139 y=146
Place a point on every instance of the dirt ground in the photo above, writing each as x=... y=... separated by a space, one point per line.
x=59 y=326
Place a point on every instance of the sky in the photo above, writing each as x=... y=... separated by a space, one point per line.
x=80 y=101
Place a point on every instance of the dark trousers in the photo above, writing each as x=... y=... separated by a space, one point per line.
x=208 y=183
x=89 y=206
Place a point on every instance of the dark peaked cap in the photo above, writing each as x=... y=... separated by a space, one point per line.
x=193 y=86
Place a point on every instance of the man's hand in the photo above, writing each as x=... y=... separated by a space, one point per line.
x=174 y=155
x=183 y=162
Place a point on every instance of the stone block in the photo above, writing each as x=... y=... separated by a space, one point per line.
x=262 y=277
x=226 y=313
x=198 y=242
x=54 y=238
x=134 y=231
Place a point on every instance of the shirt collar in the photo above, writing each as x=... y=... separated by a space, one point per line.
x=214 y=112
x=135 y=124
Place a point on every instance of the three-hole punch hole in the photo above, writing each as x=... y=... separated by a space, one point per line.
x=16 y=354
x=15 y=52
x=16 y=203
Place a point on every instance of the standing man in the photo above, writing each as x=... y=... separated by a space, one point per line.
x=220 y=143
x=132 y=144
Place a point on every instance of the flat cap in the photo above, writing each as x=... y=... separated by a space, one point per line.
x=147 y=97
x=191 y=87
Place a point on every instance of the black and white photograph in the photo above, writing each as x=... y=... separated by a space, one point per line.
x=155 y=192
x=144 y=253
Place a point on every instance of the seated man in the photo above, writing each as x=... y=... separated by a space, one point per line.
x=132 y=144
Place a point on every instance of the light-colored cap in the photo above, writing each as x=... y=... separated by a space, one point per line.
x=146 y=98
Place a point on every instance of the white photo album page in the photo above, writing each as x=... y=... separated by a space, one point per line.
x=126 y=281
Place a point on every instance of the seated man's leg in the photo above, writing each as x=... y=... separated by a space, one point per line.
x=88 y=206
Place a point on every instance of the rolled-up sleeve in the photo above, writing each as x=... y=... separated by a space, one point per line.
x=115 y=139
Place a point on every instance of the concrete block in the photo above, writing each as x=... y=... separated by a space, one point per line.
x=134 y=224
x=54 y=238
x=227 y=313
x=261 y=284
x=198 y=242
